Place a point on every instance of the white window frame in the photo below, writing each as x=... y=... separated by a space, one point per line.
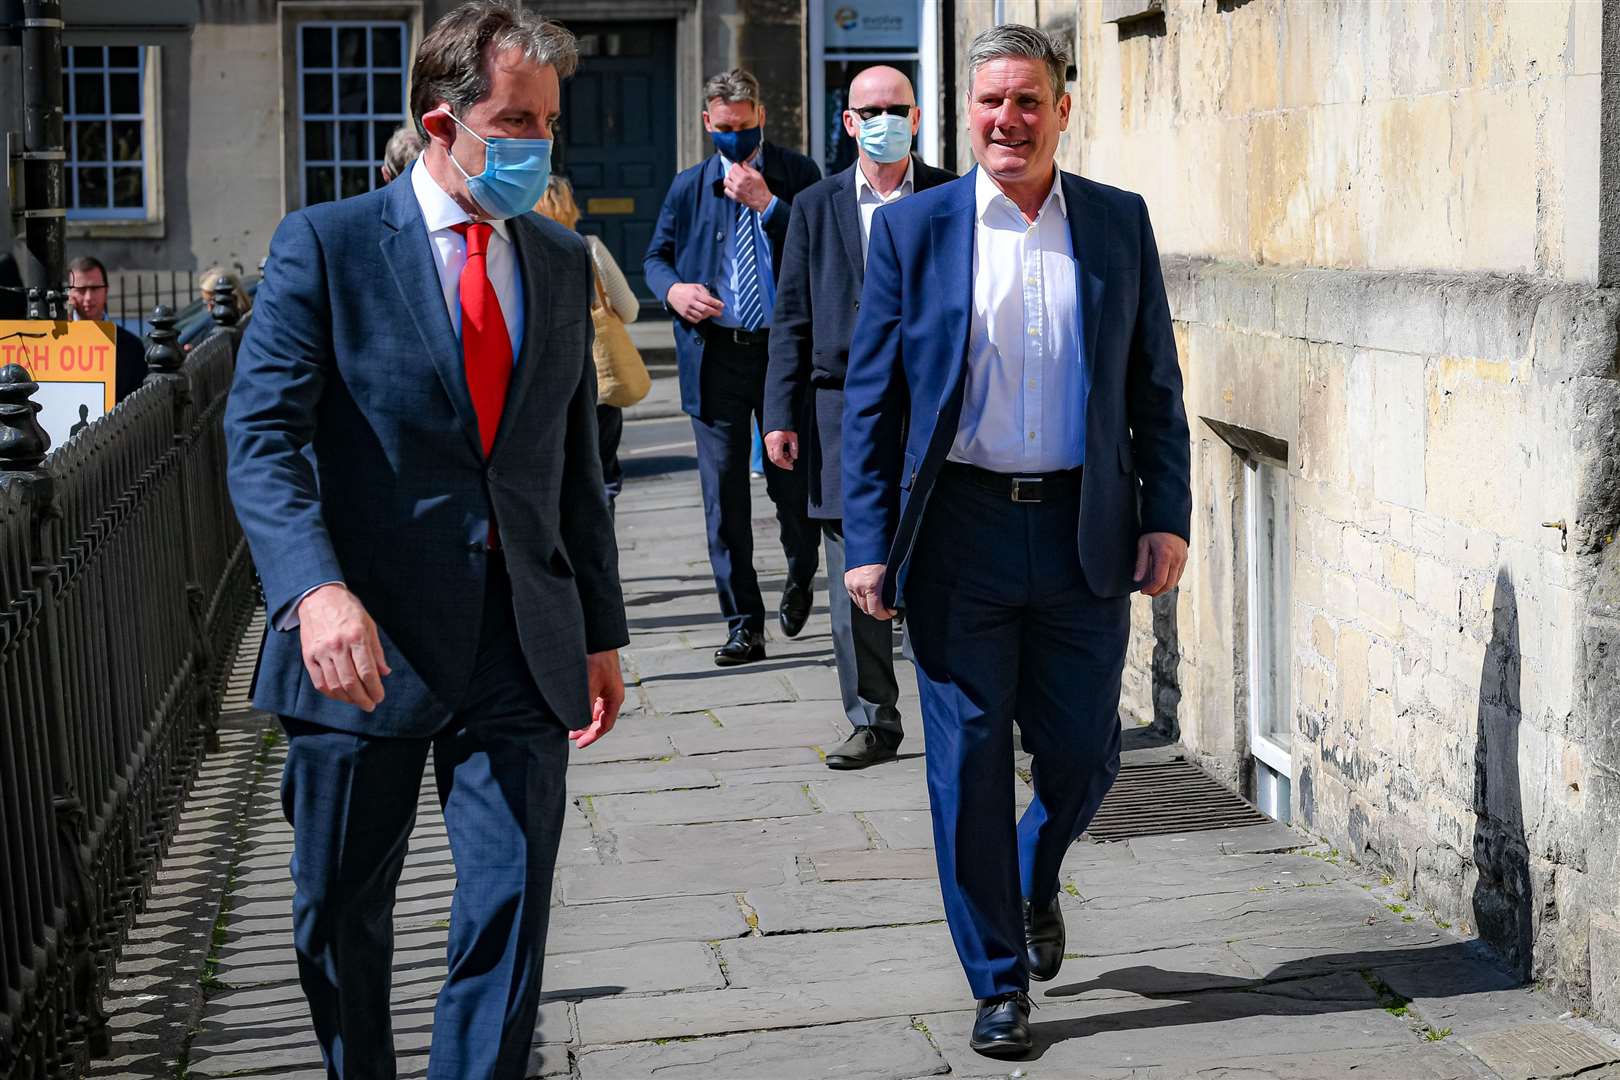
x=926 y=57
x=301 y=116
x=1264 y=743
x=115 y=220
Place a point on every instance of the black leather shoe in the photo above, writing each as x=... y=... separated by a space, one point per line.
x=795 y=609
x=1044 y=939
x=1001 y=1029
x=867 y=746
x=742 y=647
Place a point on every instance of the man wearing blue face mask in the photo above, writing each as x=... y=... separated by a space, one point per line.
x=413 y=457
x=817 y=300
x=715 y=258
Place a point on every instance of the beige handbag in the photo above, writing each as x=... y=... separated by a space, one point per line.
x=621 y=377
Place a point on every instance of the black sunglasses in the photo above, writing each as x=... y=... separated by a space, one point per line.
x=872 y=111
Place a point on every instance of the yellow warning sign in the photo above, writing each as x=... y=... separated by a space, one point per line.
x=75 y=364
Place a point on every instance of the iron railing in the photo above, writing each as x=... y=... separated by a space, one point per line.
x=125 y=584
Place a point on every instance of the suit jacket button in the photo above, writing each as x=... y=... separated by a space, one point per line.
x=857 y=305
x=476 y=547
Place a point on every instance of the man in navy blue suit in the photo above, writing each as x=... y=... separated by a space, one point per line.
x=1016 y=461
x=413 y=457
x=816 y=305
x=715 y=259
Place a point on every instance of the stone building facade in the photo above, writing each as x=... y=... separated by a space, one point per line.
x=1389 y=236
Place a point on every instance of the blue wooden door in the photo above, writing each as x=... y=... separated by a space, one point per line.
x=617 y=144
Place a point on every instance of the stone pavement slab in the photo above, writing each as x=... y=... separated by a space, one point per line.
x=873 y=1050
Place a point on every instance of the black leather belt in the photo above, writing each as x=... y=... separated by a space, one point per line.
x=1019 y=487
x=735 y=335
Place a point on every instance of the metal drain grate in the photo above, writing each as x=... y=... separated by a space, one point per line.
x=1168 y=797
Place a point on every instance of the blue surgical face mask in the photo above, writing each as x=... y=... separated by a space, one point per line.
x=737 y=145
x=885 y=138
x=514 y=177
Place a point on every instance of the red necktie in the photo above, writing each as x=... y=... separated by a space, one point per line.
x=486 y=347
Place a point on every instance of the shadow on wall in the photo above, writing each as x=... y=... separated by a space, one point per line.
x=1502 y=895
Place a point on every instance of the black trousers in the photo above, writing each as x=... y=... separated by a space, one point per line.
x=609 y=432
x=733 y=400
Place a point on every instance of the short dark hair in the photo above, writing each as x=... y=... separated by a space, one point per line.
x=86 y=263
x=452 y=64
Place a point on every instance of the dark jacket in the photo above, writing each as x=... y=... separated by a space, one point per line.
x=130 y=353
x=905 y=386
x=817 y=297
x=355 y=457
x=691 y=236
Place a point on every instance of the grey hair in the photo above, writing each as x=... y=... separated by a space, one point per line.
x=452 y=64
x=1015 y=39
x=404 y=147
x=735 y=85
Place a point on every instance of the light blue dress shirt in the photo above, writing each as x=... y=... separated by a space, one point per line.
x=729 y=285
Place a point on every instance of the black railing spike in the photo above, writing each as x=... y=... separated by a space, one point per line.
x=23 y=442
x=224 y=310
x=163 y=354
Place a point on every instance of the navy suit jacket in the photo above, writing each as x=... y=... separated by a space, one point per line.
x=355 y=456
x=907 y=362
x=818 y=295
x=691 y=237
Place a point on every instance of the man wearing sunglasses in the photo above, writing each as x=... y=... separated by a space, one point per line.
x=817 y=300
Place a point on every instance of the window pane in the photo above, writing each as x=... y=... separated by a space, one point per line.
x=352 y=94
x=318 y=141
x=126 y=140
x=93 y=186
x=320 y=185
x=385 y=47
x=128 y=190
x=124 y=56
x=387 y=94
x=356 y=179
x=351 y=46
x=126 y=93
x=352 y=139
x=318 y=46
x=317 y=95
x=86 y=55
x=90 y=140
x=88 y=94
x=381 y=132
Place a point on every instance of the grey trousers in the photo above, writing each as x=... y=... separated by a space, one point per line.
x=863 y=647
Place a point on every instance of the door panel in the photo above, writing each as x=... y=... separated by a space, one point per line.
x=617 y=144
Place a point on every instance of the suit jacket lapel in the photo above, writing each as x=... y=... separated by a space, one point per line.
x=1088 y=231
x=406 y=250
x=847 y=210
x=951 y=269
x=536 y=323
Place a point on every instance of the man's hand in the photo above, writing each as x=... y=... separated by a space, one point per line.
x=342 y=652
x=1160 y=559
x=606 y=694
x=694 y=303
x=865 y=587
x=782 y=447
x=744 y=184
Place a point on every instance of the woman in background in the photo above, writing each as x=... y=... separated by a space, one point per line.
x=558 y=205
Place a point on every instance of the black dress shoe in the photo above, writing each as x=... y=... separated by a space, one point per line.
x=795 y=609
x=1044 y=939
x=867 y=746
x=742 y=647
x=1002 y=1027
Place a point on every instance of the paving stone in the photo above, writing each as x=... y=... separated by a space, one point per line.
x=681 y=877
x=703 y=806
x=846 y=956
x=623 y=744
x=843 y=906
x=1168 y=879
x=588 y=927
x=879 y=864
x=724 y=686
x=1460 y=985
x=753 y=731
x=896 y=788
x=1249 y=840
x=903 y=828
x=727 y=765
x=1542 y=1051
x=743 y=840
x=621 y=779
x=874 y=1050
x=636 y=969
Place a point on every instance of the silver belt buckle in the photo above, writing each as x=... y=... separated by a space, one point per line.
x=1026 y=489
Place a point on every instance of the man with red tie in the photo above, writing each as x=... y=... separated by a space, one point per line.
x=414 y=461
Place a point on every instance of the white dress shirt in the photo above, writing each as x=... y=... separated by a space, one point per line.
x=867 y=199
x=439 y=213
x=1024 y=409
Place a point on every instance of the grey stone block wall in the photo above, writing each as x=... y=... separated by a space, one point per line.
x=1455 y=594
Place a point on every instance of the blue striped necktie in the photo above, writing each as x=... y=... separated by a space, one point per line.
x=750 y=308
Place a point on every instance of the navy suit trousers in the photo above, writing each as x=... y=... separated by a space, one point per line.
x=1003 y=625
x=499 y=767
x=733 y=397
